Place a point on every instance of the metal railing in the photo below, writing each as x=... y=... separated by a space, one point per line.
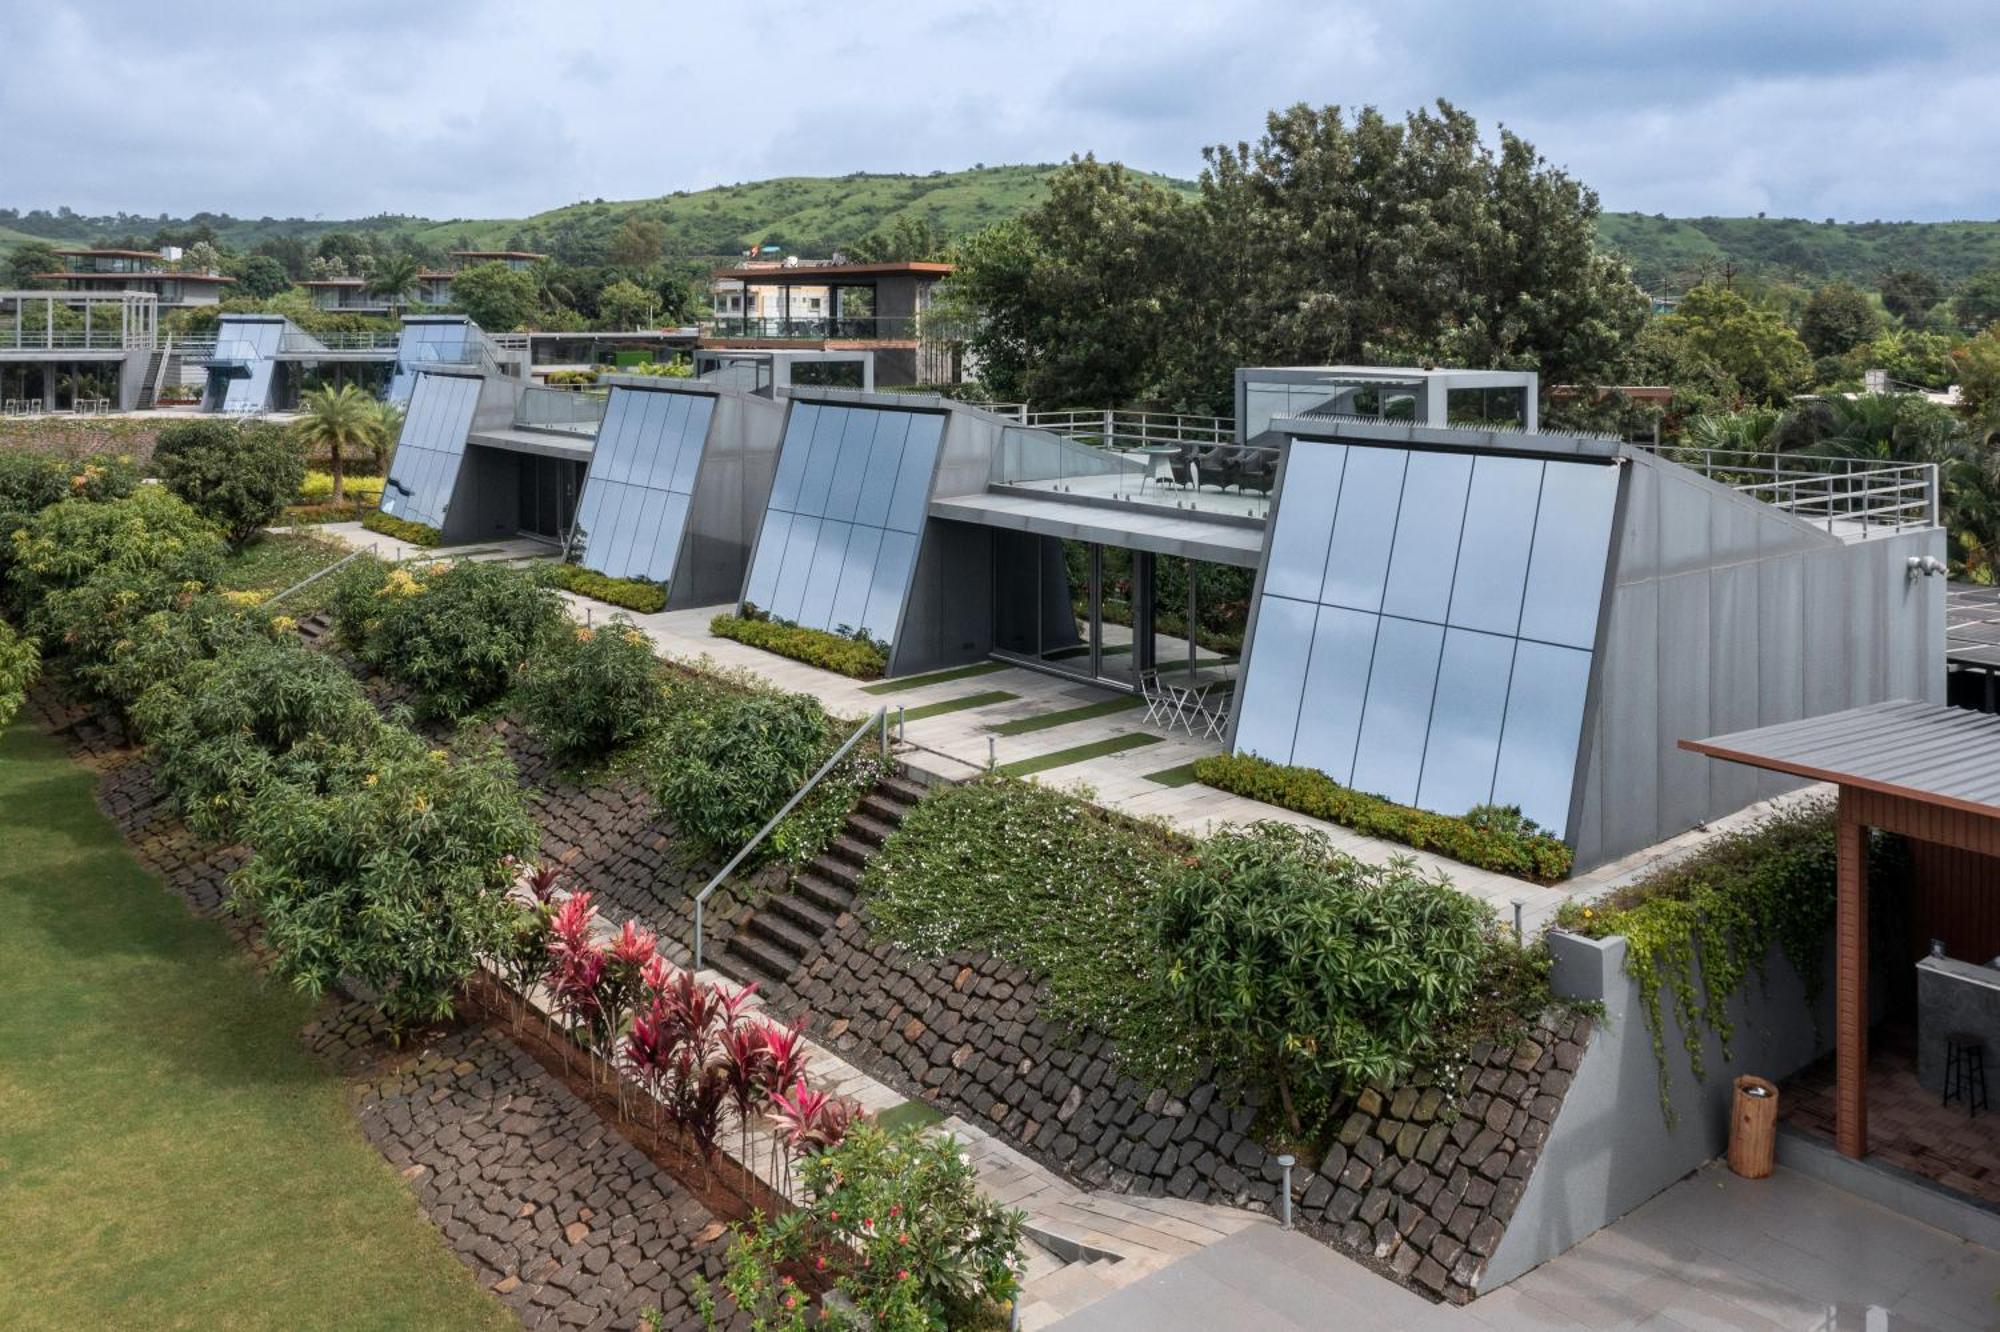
x=1133 y=430
x=811 y=328
x=70 y=339
x=1831 y=492
x=314 y=577
x=298 y=340
x=878 y=723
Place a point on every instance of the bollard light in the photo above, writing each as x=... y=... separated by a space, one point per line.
x=1286 y=1163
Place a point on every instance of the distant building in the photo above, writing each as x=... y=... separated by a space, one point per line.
x=834 y=306
x=106 y=272
x=352 y=295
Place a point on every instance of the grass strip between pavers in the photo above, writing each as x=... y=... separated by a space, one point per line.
x=938 y=709
x=915 y=1116
x=1046 y=720
x=1062 y=758
x=935 y=677
x=1183 y=775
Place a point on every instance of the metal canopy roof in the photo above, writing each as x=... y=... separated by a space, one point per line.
x=1924 y=752
x=1136 y=527
x=1972 y=625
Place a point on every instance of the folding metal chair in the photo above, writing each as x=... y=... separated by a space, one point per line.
x=1155 y=695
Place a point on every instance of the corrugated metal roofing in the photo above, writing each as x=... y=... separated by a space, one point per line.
x=1972 y=625
x=1922 y=751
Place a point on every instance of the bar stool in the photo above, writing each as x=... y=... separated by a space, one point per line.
x=1965 y=1071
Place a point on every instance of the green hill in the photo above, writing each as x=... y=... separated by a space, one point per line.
x=814 y=215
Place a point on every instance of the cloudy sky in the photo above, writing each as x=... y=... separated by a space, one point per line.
x=448 y=108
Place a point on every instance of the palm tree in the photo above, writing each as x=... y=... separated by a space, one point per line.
x=338 y=420
x=392 y=278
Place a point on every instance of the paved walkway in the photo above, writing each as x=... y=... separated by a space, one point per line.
x=1714 y=1251
x=957 y=745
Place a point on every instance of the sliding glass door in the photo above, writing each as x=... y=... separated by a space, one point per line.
x=1067 y=606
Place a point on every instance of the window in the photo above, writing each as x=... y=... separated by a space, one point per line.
x=839 y=540
x=642 y=474
x=1427 y=621
x=424 y=471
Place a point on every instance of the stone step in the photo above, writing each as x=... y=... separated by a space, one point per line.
x=870 y=830
x=883 y=809
x=844 y=874
x=899 y=788
x=851 y=849
x=830 y=897
x=1075 y=1287
x=761 y=959
x=783 y=933
x=808 y=916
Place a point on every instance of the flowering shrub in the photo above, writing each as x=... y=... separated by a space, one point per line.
x=896 y=1223
x=592 y=690
x=458 y=633
x=391 y=866
x=1325 y=970
x=33 y=481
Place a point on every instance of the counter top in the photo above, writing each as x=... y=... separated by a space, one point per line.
x=1974 y=973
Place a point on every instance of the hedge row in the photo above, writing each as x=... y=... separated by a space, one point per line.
x=1486 y=843
x=631 y=593
x=417 y=534
x=853 y=657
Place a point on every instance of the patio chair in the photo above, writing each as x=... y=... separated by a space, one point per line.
x=1256 y=472
x=1155 y=694
x=1182 y=466
x=1216 y=700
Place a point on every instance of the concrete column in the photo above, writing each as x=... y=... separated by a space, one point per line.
x=48 y=386
x=1851 y=982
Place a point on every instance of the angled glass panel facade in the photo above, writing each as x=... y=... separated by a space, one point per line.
x=424 y=470
x=642 y=473
x=839 y=539
x=1426 y=623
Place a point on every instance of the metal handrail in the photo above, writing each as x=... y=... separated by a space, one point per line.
x=1822 y=488
x=880 y=723
x=811 y=327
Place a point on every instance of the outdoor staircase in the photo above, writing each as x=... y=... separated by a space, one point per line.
x=781 y=933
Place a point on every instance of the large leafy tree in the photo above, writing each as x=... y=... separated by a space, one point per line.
x=1837 y=319
x=30 y=259
x=1977 y=304
x=626 y=304
x=639 y=243
x=340 y=423
x=498 y=298
x=237 y=476
x=1753 y=345
x=1910 y=293
x=261 y=276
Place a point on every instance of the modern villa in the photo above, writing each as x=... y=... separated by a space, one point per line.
x=146 y=272
x=831 y=307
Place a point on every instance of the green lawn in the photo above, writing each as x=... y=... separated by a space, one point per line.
x=170 y=1155
x=273 y=562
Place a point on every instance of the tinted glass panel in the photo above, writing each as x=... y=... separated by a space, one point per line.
x=1298 y=546
x=913 y=476
x=792 y=574
x=642 y=470
x=889 y=582
x=1358 y=558
x=1572 y=541
x=1493 y=547
x=824 y=576
x=792 y=456
x=1465 y=721
x=1425 y=555
x=822 y=461
x=857 y=573
x=1544 y=722
x=762 y=583
x=851 y=468
x=1401 y=686
x=430 y=448
x=1337 y=679
x=885 y=460
x=1276 y=680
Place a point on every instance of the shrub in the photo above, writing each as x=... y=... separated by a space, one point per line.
x=20 y=666
x=416 y=534
x=859 y=657
x=355 y=600
x=899 y=1224
x=238 y=476
x=588 y=692
x=1049 y=882
x=217 y=734
x=33 y=481
x=163 y=646
x=632 y=593
x=728 y=754
x=458 y=633
x=317 y=488
x=1327 y=971
x=391 y=867
x=1723 y=909
x=1491 y=837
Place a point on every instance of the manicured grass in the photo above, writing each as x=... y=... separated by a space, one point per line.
x=959 y=704
x=1062 y=758
x=1048 y=720
x=274 y=562
x=916 y=1116
x=935 y=677
x=170 y=1155
x=1182 y=775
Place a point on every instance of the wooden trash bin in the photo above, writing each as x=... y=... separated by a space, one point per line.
x=1753 y=1127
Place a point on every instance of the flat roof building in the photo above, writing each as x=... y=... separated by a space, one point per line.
x=139 y=271
x=835 y=306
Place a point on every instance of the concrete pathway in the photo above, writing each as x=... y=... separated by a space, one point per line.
x=1714 y=1251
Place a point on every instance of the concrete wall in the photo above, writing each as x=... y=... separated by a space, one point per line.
x=1726 y=614
x=1611 y=1148
x=731 y=490
x=947 y=617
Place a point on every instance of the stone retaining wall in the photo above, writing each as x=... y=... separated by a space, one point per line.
x=1422 y=1180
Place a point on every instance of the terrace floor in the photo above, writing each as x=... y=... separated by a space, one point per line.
x=1158 y=493
x=1907 y=1127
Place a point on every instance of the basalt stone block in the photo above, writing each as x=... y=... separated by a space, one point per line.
x=1342 y=1206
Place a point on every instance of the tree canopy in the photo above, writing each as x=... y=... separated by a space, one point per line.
x=1837 y=319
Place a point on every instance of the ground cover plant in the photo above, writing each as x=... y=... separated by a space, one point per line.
x=637 y=594
x=152 y=1086
x=416 y=534
x=1718 y=914
x=854 y=655
x=1489 y=837
x=275 y=561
